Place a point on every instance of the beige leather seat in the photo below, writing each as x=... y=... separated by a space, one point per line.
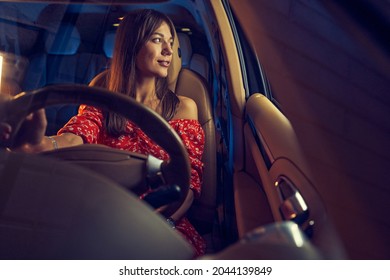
x=186 y=82
x=190 y=60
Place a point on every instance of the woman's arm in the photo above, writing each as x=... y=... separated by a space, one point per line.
x=49 y=143
x=80 y=129
x=30 y=137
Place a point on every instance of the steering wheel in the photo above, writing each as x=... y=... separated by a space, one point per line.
x=175 y=171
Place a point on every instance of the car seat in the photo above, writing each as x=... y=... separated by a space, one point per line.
x=186 y=82
x=190 y=60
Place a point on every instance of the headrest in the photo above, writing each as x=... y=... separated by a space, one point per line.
x=108 y=44
x=65 y=41
x=185 y=47
x=175 y=67
x=200 y=65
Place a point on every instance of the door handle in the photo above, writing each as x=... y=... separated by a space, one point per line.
x=292 y=205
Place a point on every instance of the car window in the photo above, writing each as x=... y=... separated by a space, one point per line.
x=254 y=76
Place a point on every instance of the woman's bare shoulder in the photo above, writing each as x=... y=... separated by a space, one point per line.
x=187 y=109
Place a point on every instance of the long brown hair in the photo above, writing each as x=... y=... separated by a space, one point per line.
x=133 y=32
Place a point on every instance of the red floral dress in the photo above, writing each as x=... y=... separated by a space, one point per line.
x=88 y=124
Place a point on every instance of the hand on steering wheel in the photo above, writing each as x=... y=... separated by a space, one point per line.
x=176 y=171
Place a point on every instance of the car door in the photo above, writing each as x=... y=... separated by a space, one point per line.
x=270 y=178
x=328 y=68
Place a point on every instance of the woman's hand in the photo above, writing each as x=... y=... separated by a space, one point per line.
x=30 y=134
x=33 y=129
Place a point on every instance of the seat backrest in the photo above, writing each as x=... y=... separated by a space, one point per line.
x=190 y=60
x=200 y=65
x=191 y=84
x=185 y=49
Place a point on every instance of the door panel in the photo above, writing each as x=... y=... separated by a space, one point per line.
x=285 y=177
x=251 y=206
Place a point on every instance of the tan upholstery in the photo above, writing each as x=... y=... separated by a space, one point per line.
x=200 y=65
x=194 y=86
x=193 y=61
x=188 y=83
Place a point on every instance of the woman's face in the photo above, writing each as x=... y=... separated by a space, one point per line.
x=155 y=56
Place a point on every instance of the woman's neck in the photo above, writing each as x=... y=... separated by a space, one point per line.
x=146 y=93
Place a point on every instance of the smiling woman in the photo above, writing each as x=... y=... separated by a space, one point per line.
x=157 y=50
x=142 y=41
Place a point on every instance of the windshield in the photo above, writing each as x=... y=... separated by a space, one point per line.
x=42 y=44
x=46 y=43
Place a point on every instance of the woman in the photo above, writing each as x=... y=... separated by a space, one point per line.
x=142 y=55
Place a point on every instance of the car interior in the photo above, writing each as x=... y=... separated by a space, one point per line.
x=258 y=198
x=62 y=51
